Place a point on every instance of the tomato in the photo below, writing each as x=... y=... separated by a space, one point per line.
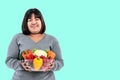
x=28 y=54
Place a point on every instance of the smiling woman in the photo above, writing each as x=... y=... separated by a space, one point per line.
x=33 y=36
x=33 y=22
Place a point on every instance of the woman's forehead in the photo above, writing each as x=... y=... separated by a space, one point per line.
x=33 y=15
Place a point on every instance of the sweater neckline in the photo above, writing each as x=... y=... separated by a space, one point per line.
x=37 y=41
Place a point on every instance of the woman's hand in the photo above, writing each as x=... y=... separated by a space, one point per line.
x=50 y=66
x=47 y=66
x=26 y=65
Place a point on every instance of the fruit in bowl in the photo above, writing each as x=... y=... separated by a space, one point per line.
x=38 y=60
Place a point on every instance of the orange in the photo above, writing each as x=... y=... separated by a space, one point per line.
x=51 y=54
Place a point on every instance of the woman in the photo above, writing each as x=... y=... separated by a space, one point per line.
x=33 y=36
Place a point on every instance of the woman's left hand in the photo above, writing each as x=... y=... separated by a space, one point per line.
x=48 y=65
x=51 y=65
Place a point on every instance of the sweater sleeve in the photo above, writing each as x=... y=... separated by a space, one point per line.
x=58 y=59
x=13 y=54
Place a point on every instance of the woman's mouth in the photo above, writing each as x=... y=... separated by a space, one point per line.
x=34 y=26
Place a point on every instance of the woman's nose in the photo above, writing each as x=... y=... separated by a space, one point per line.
x=33 y=21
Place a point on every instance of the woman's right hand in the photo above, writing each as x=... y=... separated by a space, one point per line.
x=26 y=65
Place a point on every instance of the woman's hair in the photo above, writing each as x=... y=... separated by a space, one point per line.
x=27 y=16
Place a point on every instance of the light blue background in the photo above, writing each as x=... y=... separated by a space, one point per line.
x=88 y=32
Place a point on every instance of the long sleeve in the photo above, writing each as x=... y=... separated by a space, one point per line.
x=58 y=59
x=12 y=55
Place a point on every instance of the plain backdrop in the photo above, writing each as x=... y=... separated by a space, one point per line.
x=88 y=32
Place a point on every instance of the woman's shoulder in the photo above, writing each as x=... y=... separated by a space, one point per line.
x=49 y=36
x=18 y=35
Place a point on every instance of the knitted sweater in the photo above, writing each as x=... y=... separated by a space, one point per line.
x=21 y=42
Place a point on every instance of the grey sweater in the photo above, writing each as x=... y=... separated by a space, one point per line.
x=22 y=42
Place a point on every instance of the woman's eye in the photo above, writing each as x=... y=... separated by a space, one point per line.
x=29 y=20
x=37 y=19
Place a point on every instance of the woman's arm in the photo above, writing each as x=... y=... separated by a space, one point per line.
x=58 y=64
x=12 y=60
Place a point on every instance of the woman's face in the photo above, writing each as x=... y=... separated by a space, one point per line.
x=34 y=24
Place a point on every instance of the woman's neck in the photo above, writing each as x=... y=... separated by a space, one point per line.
x=36 y=35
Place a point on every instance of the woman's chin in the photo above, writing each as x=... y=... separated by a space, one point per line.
x=34 y=32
